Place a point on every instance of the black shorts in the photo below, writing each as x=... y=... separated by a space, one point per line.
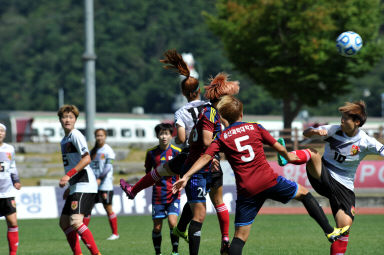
x=104 y=196
x=216 y=179
x=7 y=206
x=79 y=203
x=177 y=162
x=340 y=197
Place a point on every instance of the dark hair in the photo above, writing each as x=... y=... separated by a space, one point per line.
x=94 y=149
x=163 y=126
x=189 y=85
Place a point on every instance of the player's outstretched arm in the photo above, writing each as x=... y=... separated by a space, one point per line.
x=309 y=132
x=200 y=163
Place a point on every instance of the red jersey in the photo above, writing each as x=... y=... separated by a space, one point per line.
x=208 y=120
x=162 y=190
x=242 y=144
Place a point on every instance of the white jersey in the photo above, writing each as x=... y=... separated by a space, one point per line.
x=73 y=147
x=102 y=166
x=8 y=171
x=184 y=118
x=342 y=154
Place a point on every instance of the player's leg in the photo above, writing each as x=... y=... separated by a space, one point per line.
x=181 y=229
x=82 y=204
x=13 y=233
x=343 y=220
x=246 y=210
x=317 y=213
x=69 y=231
x=107 y=197
x=170 y=168
x=156 y=234
x=311 y=157
x=238 y=241
x=172 y=222
x=216 y=195
x=194 y=231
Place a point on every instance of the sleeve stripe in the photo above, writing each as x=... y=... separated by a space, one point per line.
x=212 y=115
x=381 y=149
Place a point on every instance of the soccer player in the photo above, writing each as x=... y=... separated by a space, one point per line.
x=185 y=119
x=164 y=202
x=80 y=196
x=333 y=174
x=102 y=156
x=9 y=182
x=242 y=144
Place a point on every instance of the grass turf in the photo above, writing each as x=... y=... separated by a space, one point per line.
x=270 y=234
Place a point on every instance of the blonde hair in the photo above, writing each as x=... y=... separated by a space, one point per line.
x=68 y=108
x=174 y=61
x=356 y=110
x=230 y=108
x=221 y=86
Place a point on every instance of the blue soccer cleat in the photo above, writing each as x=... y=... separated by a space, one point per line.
x=280 y=159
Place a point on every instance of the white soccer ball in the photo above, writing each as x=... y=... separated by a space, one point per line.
x=349 y=43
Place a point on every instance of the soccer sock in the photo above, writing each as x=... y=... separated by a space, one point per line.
x=148 y=180
x=223 y=216
x=87 y=238
x=185 y=218
x=236 y=247
x=303 y=155
x=339 y=247
x=113 y=222
x=73 y=240
x=156 y=238
x=316 y=212
x=86 y=220
x=194 y=233
x=13 y=239
x=174 y=241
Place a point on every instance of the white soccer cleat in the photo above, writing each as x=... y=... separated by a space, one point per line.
x=113 y=237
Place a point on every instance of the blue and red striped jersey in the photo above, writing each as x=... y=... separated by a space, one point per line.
x=162 y=190
x=209 y=120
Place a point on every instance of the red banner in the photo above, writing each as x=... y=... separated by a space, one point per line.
x=369 y=174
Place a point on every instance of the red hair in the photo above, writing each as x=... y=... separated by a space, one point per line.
x=221 y=86
x=174 y=61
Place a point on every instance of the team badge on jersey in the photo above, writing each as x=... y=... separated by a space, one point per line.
x=355 y=149
x=74 y=205
x=353 y=211
x=102 y=156
x=9 y=155
x=13 y=203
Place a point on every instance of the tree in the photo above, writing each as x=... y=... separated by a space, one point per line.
x=288 y=47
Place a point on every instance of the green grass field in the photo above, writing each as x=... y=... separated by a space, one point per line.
x=271 y=234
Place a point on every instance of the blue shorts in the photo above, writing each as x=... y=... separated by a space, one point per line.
x=198 y=187
x=247 y=208
x=162 y=211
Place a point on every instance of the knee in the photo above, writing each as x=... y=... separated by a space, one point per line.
x=301 y=192
x=76 y=220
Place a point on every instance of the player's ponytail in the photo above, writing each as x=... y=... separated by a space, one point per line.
x=174 y=61
x=221 y=86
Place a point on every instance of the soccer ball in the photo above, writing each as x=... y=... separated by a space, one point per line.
x=349 y=43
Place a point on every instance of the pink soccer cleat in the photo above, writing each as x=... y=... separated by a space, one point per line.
x=127 y=188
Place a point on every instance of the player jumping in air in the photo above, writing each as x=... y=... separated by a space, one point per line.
x=242 y=144
x=9 y=182
x=80 y=196
x=332 y=175
x=185 y=119
x=102 y=156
